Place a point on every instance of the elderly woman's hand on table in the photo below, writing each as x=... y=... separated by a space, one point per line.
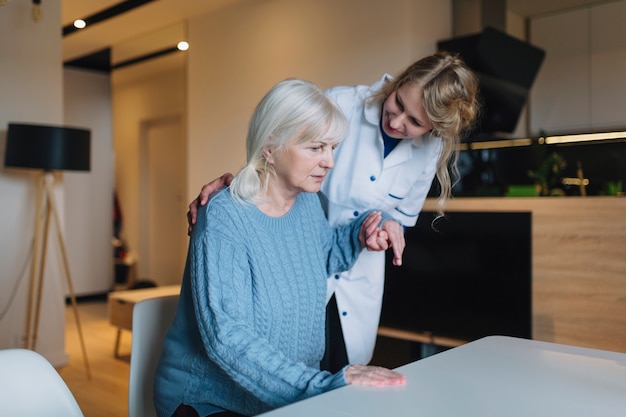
x=374 y=376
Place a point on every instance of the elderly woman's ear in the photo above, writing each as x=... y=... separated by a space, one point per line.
x=268 y=154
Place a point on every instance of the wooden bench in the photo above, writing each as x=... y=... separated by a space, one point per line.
x=121 y=303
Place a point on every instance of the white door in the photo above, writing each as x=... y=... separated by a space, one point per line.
x=163 y=225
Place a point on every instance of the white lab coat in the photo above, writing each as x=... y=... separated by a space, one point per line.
x=363 y=179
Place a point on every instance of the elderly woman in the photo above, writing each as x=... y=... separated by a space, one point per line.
x=248 y=334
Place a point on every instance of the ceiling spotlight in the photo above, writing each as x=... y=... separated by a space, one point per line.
x=182 y=46
x=79 y=23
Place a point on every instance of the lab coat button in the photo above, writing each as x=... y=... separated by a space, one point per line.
x=344 y=313
x=356 y=213
x=336 y=276
x=372 y=178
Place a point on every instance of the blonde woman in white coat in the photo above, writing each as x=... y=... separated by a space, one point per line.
x=404 y=132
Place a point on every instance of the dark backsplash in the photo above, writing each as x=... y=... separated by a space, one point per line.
x=490 y=172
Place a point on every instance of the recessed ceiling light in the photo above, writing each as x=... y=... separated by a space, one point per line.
x=79 y=23
x=182 y=45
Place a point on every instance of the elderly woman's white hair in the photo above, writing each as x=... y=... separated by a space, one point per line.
x=293 y=110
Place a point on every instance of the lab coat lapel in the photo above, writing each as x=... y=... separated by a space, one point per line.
x=402 y=152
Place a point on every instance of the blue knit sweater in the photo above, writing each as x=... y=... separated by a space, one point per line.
x=249 y=330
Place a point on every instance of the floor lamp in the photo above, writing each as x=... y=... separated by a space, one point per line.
x=47 y=148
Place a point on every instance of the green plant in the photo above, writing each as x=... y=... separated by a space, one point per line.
x=614 y=188
x=548 y=174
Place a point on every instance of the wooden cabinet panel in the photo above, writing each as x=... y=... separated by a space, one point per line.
x=581 y=86
x=578 y=266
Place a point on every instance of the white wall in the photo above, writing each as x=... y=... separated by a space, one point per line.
x=136 y=102
x=31 y=83
x=87 y=103
x=239 y=52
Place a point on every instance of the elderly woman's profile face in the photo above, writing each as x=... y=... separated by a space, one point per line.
x=302 y=167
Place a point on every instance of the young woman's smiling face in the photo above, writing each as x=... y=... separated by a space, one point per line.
x=404 y=116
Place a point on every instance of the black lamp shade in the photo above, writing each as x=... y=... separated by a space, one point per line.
x=47 y=147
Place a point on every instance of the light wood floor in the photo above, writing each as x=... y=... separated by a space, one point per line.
x=106 y=394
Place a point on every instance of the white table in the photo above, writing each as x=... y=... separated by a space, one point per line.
x=494 y=376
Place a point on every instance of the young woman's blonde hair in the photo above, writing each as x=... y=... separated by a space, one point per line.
x=293 y=111
x=450 y=97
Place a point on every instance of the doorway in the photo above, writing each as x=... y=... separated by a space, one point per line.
x=162 y=181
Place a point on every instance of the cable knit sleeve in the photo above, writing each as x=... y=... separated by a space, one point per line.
x=344 y=246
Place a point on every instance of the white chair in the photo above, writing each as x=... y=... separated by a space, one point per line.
x=30 y=386
x=152 y=318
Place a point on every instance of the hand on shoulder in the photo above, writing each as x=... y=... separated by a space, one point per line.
x=203 y=198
